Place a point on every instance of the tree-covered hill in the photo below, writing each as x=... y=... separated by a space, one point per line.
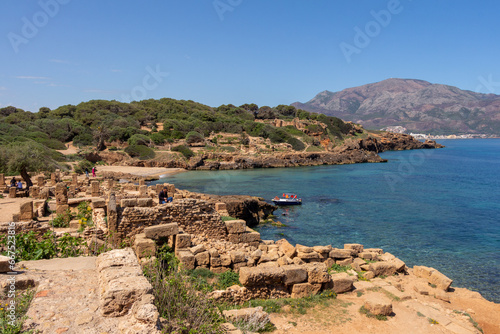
x=101 y=123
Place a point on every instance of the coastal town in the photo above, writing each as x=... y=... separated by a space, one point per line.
x=403 y=130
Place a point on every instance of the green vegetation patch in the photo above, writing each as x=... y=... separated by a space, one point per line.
x=140 y=151
x=184 y=150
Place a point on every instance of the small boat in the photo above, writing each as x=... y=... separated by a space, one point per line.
x=287 y=199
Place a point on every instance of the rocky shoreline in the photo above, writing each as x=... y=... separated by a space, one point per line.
x=352 y=151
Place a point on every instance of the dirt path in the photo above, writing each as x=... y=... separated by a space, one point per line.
x=10 y=206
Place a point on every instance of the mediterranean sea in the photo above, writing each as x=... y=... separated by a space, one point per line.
x=438 y=208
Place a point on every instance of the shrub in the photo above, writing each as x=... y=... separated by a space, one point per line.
x=184 y=150
x=184 y=309
x=140 y=151
x=62 y=220
x=227 y=279
x=157 y=138
x=194 y=137
x=297 y=145
x=139 y=139
x=80 y=167
x=22 y=300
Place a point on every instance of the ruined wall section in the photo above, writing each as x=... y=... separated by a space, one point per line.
x=193 y=216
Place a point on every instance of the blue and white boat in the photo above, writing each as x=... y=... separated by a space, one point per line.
x=287 y=199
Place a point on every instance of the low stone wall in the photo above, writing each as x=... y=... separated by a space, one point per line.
x=193 y=216
x=125 y=292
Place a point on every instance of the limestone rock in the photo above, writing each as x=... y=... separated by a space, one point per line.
x=237 y=256
x=294 y=274
x=235 y=226
x=354 y=248
x=186 y=258
x=258 y=276
x=305 y=289
x=165 y=230
x=342 y=282
x=378 y=305
x=317 y=273
x=383 y=268
x=286 y=248
x=197 y=249
x=254 y=314
x=202 y=259
x=183 y=240
x=441 y=281
x=340 y=253
x=4 y=264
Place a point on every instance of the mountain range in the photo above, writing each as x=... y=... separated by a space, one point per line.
x=417 y=105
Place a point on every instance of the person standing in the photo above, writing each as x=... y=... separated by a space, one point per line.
x=93 y=171
x=86 y=172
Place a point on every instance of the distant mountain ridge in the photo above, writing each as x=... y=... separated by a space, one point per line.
x=418 y=105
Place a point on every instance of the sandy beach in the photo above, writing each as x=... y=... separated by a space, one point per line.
x=141 y=171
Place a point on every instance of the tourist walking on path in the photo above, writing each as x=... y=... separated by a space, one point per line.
x=93 y=171
x=86 y=172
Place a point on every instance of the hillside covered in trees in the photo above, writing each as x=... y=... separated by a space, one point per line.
x=171 y=133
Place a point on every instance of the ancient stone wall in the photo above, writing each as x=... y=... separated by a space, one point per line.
x=193 y=216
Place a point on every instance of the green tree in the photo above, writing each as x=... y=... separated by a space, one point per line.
x=28 y=156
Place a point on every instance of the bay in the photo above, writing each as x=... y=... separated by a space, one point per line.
x=438 y=208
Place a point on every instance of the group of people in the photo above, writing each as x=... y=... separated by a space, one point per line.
x=93 y=171
x=14 y=184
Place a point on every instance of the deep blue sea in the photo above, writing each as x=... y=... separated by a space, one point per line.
x=439 y=208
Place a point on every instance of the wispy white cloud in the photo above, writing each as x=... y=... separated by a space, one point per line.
x=57 y=85
x=3 y=88
x=29 y=77
x=116 y=70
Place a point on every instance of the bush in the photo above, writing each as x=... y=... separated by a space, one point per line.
x=184 y=309
x=80 y=167
x=139 y=139
x=194 y=137
x=62 y=220
x=227 y=279
x=184 y=150
x=157 y=138
x=297 y=145
x=140 y=151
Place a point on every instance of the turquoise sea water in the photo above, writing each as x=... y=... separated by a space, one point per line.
x=439 y=208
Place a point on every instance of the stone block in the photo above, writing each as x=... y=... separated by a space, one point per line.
x=183 y=240
x=298 y=261
x=323 y=249
x=342 y=282
x=301 y=290
x=197 y=249
x=378 y=305
x=60 y=209
x=225 y=260
x=159 y=231
x=215 y=262
x=235 y=226
x=304 y=249
x=308 y=256
x=144 y=247
x=344 y=262
x=287 y=248
x=4 y=264
x=340 y=253
x=258 y=276
x=12 y=192
x=294 y=274
x=35 y=191
x=74 y=224
x=234 y=238
x=202 y=259
x=40 y=181
x=118 y=295
x=128 y=202
x=186 y=258
x=268 y=257
x=254 y=315
x=284 y=261
x=219 y=270
x=441 y=281
x=377 y=251
x=221 y=206
x=367 y=255
x=317 y=273
x=26 y=211
x=239 y=265
x=237 y=256
x=144 y=202
x=143 y=190
x=329 y=262
x=355 y=248
x=382 y=268
x=423 y=271
x=249 y=237
x=98 y=202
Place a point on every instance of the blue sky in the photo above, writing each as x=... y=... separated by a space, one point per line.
x=269 y=52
